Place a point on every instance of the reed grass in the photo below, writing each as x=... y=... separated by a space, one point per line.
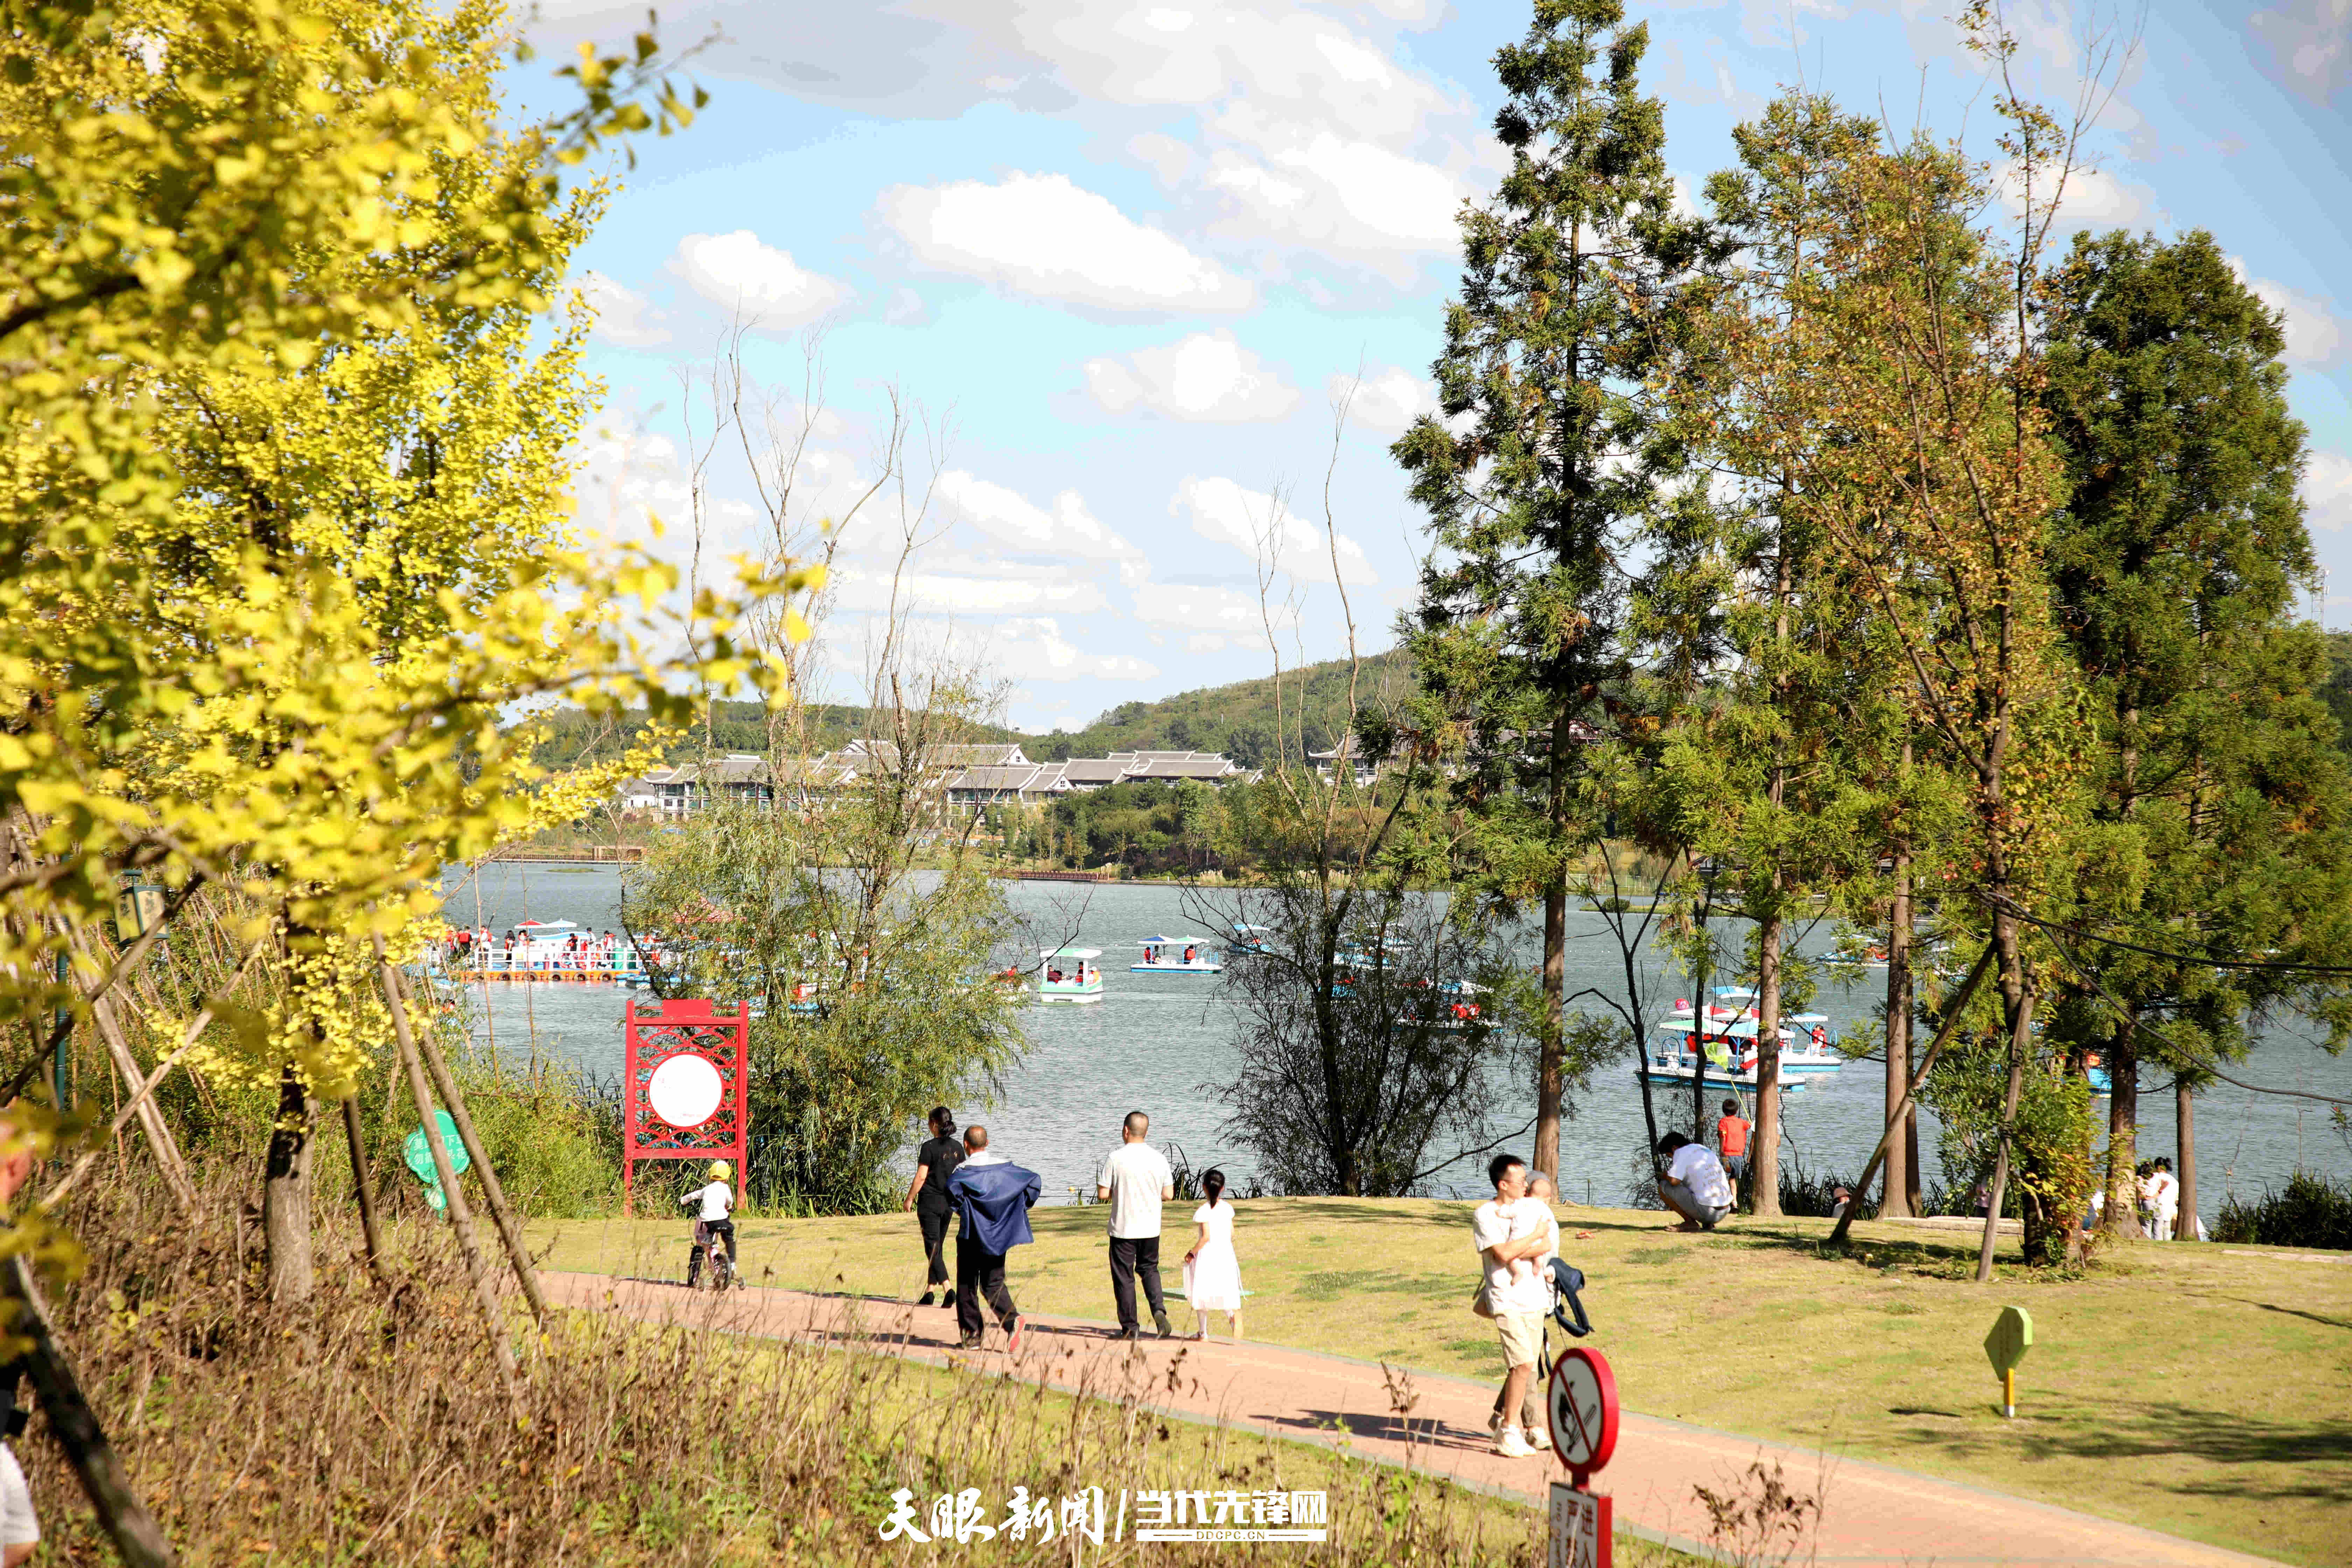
x=367 y=1426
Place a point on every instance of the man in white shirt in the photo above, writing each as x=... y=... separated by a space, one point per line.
x=1694 y=1186
x=1134 y=1182
x=1537 y=1203
x=1506 y=1234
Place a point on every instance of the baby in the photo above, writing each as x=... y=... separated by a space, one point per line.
x=1533 y=1210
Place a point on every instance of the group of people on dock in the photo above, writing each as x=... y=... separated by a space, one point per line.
x=990 y=1197
x=578 y=950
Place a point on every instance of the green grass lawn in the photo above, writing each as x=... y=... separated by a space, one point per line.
x=2199 y=1390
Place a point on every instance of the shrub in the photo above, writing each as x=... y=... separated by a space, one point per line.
x=2312 y=1212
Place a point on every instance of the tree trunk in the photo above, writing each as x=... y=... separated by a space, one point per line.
x=1699 y=1017
x=2120 y=1220
x=2016 y=1007
x=1555 y=969
x=1548 y=1064
x=2184 y=1113
x=1764 y=1151
x=286 y=1191
x=1900 y=1199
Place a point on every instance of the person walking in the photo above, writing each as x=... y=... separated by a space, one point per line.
x=2164 y=1192
x=1212 y=1270
x=1135 y=1181
x=1507 y=1236
x=1731 y=1131
x=1536 y=1204
x=1694 y=1186
x=935 y=1162
x=991 y=1197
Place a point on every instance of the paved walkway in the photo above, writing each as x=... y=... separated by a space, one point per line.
x=1870 y=1513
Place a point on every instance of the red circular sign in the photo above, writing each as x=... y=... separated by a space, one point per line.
x=1582 y=1410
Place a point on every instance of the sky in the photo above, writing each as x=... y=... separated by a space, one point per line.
x=1111 y=263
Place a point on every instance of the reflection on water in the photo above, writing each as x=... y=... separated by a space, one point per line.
x=1161 y=1043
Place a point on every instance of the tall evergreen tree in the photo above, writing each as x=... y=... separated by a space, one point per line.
x=1543 y=462
x=2219 y=786
x=1763 y=762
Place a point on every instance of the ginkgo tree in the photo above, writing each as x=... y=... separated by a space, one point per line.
x=282 y=502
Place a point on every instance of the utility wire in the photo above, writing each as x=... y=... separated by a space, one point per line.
x=2013 y=907
x=2202 y=1063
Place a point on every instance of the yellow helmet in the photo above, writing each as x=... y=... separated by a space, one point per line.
x=719 y=1170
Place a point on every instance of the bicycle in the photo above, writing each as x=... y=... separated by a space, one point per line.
x=709 y=1237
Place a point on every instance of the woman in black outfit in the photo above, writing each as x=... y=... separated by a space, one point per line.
x=935 y=1162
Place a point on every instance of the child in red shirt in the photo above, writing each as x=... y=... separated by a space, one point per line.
x=1731 y=1137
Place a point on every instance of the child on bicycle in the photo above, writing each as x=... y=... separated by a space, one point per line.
x=718 y=1200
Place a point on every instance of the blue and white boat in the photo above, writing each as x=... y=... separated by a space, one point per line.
x=1248 y=938
x=1177 y=955
x=1722 y=1045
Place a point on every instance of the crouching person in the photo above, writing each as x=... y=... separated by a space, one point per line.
x=1694 y=1186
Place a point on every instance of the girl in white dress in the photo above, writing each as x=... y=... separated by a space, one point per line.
x=1213 y=1274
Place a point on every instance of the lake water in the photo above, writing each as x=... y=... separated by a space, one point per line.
x=1163 y=1043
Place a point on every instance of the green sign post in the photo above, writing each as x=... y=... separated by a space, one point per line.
x=2012 y=1337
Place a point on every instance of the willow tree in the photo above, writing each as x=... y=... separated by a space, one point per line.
x=2216 y=776
x=279 y=502
x=1540 y=469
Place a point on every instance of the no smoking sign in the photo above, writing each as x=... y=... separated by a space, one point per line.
x=1583 y=1415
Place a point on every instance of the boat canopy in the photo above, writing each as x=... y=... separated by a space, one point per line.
x=1173 y=941
x=1069 y=953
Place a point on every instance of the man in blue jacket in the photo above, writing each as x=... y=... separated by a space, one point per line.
x=993 y=1195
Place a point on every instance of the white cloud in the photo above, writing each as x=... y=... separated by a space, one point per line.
x=1011 y=519
x=1035 y=650
x=1206 y=376
x=2091 y=197
x=1210 y=610
x=736 y=272
x=632 y=488
x=941 y=593
x=1388 y=398
x=2327 y=493
x=623 y=317
x=1305 y=185
x=2310 y=42
x=1259 y=525
x=2316 y=336
x=1041 y=236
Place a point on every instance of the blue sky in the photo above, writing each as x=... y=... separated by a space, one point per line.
x=1109 y=260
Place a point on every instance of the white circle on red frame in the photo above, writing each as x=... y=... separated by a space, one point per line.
x=685 y=1090
x=1582 y=1410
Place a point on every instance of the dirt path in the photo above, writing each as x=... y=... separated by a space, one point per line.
x=1870 y=1513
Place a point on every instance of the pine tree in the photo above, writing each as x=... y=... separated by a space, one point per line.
x=2220 y=793
x=1540 y=467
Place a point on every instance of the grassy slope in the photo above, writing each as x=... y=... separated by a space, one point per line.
x=1237 y=719
x=2195 y=1390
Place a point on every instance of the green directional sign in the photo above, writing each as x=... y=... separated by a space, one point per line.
x=2012 y=1337
x=419 y=1154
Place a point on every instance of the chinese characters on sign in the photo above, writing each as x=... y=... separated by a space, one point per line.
x=959 y=1517
x=1579 y=1529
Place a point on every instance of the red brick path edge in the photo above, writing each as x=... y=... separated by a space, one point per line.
x=1870 y=1513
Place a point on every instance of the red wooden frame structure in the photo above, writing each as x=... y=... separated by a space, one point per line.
x=684 y=1028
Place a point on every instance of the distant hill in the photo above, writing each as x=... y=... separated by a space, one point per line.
x=1237 y=719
